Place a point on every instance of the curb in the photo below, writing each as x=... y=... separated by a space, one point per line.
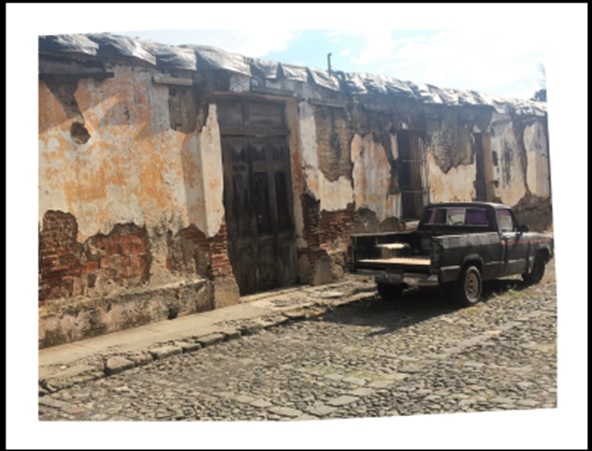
x=102 y=366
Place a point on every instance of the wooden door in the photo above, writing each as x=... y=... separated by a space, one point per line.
x=258 y=202
x=412 y=174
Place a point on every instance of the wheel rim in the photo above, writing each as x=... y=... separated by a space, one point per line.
x=472 y=288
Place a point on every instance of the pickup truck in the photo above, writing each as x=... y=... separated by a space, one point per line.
x=456 y=245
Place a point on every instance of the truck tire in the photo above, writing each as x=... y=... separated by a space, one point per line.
x=537 y=272
x=389 y=292
x=469 y=287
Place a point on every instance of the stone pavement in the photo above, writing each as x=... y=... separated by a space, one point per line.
x=90 y=359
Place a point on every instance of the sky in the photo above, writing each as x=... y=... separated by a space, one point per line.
x=504 y=64
x=493 y=48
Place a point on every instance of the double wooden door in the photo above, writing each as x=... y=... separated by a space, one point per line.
x=258 y=202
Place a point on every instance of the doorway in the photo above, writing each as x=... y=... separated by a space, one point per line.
x=412 y=173
x=258 y=195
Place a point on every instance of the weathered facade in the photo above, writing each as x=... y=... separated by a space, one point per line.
x=174 y=179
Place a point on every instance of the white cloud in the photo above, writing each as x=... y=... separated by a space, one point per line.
x=498 y=62
x=255 y=42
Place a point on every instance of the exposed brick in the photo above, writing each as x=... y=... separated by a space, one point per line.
x=137 y=265
x=189 y=251
x=126 y=244
x=91 y=266
x=104 y=262
x=67 y=268
x=113 y=249
x=100 y=241
x=138 y=247
x=59 y=255
x=325 y=232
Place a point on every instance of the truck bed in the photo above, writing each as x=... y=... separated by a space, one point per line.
x=415 y=261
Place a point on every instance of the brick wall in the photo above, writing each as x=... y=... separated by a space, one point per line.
x=60 y=268
x=122 y=256
x=220 y=262
x=68 y=268
x=190 y=251
x=327 y=236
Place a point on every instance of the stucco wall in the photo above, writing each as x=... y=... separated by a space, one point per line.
x=134 y=167
x=510 y=167
x=333 y=195
x=130 y=165
x=372 y=177
x=537 y=159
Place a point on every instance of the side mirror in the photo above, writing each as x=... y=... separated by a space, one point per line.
x=522 y=228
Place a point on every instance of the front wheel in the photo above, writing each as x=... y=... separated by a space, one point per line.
x=469 y=287
x=537 y=272
x=389 y=292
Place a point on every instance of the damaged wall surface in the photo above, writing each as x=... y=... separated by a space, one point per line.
x=140 y=142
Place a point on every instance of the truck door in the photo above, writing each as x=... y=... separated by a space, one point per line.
x=514 y=245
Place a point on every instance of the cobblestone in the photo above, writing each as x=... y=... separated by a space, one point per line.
x=368 y=358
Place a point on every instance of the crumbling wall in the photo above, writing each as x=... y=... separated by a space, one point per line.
x=375 y=177
x=326 y=234
x=321 y=196
x=348 y=182
x=103 y=284
x=509 y=160
x=537 y=159
x=450 y=153
x=333 y=194
x=363 y=194
x=124 y=164
x=333 y=135
x=69 y=268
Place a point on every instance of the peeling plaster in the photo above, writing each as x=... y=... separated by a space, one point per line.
x=194 y=190
x=537 y=160
x=210 y=153
x=509 y=172
x=129 y=170
x=296 y=166
x=335 y=195
x=372 y=177
x=449 y=141
x=456 y=185
x=308 y=150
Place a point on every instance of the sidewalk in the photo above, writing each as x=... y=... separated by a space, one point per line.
x=65 y=365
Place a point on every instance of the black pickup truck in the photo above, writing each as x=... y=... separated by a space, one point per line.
x=457 y=245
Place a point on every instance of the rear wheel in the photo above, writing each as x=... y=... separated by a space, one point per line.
x=538 y=270
x=469 y=287
x=389 y=292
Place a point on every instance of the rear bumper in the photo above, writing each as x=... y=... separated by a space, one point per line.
x=407 y=278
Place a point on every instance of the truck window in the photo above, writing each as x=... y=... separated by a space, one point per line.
x=477 y=217
x=505 y=221
x=455 y=216
x=437 y=216
x=458 y=216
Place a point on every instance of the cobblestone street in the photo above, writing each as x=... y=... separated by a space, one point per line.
x=369 y=358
